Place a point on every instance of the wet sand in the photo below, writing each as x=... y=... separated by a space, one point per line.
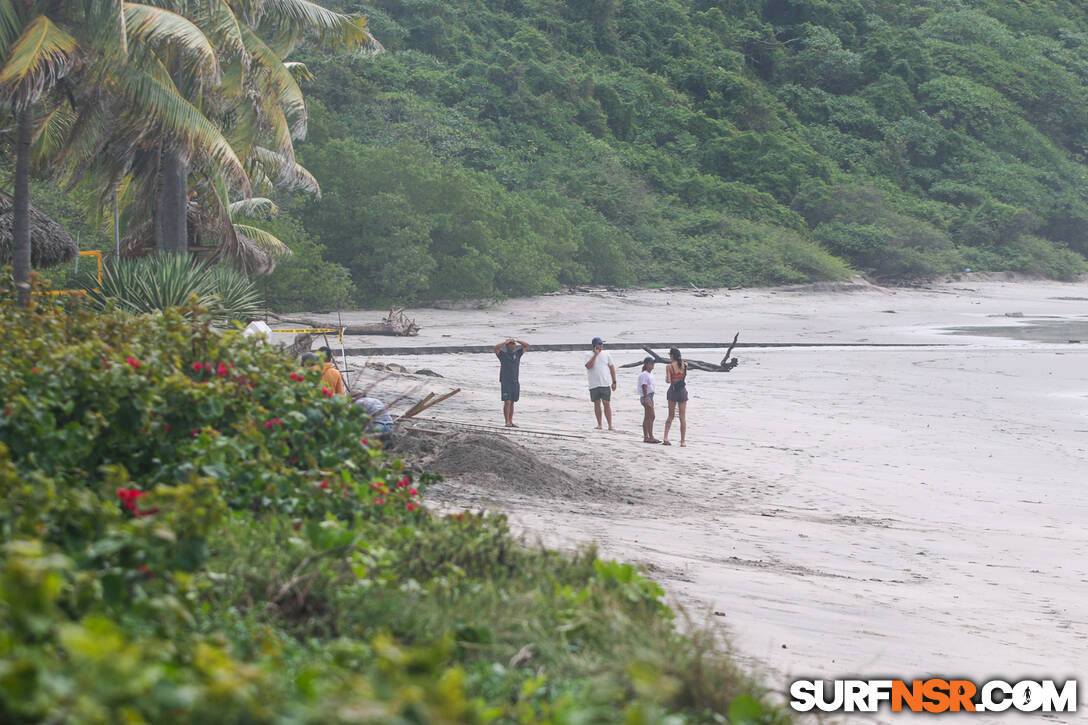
x=849 y=511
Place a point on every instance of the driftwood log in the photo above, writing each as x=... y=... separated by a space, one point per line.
x=396 y=323
x=724 y=366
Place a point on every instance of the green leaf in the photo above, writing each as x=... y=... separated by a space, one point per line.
x=42 y=54
x=745 y=709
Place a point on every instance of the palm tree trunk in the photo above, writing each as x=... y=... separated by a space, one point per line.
x=20 y=242
x=171 y=203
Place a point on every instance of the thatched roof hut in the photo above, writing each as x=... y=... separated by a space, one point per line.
x=50 y=244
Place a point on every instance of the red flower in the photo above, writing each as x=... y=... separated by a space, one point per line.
x=328 y=393
x=195 y=432
x=324 y=485
x=412 y=506
x=277 y=421
x=34 y=371
x=198 y=366
x=297 y=378
x=401 y=483
x=166 y=426
x=268 y=424
x=293 y=459
x=133 y=362
x=222 y=370
x=413 y=492
x=366 y=442
x=128 y=498
x=379 y=501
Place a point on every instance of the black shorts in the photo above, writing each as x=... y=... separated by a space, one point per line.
x=602 y=393
x=510 y=391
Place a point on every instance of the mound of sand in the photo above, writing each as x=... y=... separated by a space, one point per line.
x=492 y=463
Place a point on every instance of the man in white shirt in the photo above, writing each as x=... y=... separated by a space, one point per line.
x=646 y=397
x=599 y=368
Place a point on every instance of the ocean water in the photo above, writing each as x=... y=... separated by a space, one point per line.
x=1033 y=330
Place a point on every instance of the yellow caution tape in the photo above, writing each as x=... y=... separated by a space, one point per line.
x=313 y=329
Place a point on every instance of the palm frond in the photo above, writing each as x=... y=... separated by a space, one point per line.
x=122 y=25
x=10 y=26
x=52 y=132
x=223 y=26
x=282 y=171
x=280 y=82
x=290 y=20
x=257 y=207
x=155 y=26
x=151 y=96
x=299 y=70
x=262 y=239
x=41 y=55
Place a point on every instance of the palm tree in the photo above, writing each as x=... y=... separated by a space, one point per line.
x=168 y=111
x=253 y=99
x=268 y=113
x=83 y=81
x=36 y=52
x=260 y=108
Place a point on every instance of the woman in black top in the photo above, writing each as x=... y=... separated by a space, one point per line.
x=676 y=375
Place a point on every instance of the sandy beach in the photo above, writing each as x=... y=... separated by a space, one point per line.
x=841 y=511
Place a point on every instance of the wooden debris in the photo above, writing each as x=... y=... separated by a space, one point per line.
x=415 y=408
x=396 y=324
x=724 y=366
x=428 y=402
x=387 y=367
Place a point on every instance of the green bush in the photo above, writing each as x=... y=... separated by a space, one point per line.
x=194 y=531
x=1029 y=255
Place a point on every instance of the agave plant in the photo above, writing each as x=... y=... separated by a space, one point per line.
x=236 y=296
x=154 y=283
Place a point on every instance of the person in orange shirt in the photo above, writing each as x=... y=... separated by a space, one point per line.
x=331 y=379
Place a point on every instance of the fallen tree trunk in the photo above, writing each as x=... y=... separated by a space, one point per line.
x=396 y=324
x=614 y=346
x=726 y=365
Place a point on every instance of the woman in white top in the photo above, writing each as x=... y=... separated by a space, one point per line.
x=646 y=397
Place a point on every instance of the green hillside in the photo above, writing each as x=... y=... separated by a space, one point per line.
x=510 y=147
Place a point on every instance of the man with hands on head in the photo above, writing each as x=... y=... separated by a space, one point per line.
x=599 y=368
x=509 y=355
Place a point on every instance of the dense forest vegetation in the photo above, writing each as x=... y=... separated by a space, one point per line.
x=509 y=147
